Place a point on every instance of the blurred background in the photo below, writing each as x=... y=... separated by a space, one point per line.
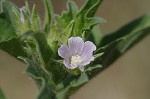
x=127 y=78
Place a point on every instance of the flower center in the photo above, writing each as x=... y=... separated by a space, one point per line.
x=76 y=60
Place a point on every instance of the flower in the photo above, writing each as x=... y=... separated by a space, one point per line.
x=77 y=54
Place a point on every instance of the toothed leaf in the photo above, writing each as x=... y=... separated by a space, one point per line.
x=117 y=43
x=42 y=79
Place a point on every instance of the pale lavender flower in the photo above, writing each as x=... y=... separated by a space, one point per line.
x=77 y=54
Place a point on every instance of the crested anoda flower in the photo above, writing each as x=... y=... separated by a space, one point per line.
x=77 y=54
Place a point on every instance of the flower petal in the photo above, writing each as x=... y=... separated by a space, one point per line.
x=64 y=52
x=87 y=54
x=76 y=45
x=68 y=65
x=86 y=62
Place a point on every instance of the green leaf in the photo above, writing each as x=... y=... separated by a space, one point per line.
x=58 y=72
x=53 y=38
x=85 y=19
x=90 y=8
x=14 y=47
x=7 y=32
x=9 y=41
x=132 y=28
x=7 y=8
x=67 y=16
x=37 y=48
x=42 y=79
x=42 y=48
x=2 y=96
x=48 y=15
x=2 y=15
x=95 y=36
x=69 y=86
x=117 y=43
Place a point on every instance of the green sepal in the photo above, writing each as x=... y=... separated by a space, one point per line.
x=67 y=33
x=35 y=20
x=48 y=15
x=27 y=8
